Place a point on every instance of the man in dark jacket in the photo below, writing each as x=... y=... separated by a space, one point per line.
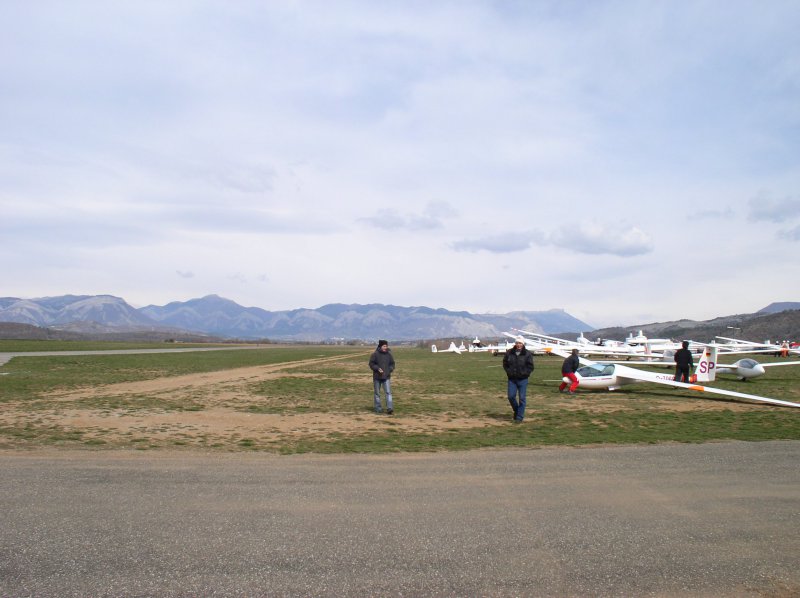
x=382 y=365
x=568 y=369
x=518 y=364
x=683 y=363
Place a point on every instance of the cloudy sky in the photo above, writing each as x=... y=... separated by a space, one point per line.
x=627 y=161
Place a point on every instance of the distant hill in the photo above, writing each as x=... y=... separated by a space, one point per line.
x=16 y=330
x=774 y=308
x=760 y=326
x=219 y=317
x=13 y=330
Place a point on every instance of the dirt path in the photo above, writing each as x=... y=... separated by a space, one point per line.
x=189 y=382
x=122 y=413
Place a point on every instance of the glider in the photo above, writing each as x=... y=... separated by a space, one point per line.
x=747 y=368
x=594 y=375
x=743 y=346
x=451 y=349
x=541 y=343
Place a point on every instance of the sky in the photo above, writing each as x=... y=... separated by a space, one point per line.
x=627 y=161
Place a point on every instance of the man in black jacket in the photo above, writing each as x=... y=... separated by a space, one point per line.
x=683 y=363
x=568 y=369
x=518 y=364
x=381 y=362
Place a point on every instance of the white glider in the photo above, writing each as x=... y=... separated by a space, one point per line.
x=451 y=349
x=611 y=376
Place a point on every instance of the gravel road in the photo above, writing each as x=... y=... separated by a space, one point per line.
x=719 y=519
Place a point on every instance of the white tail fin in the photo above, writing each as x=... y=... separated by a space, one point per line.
x=706 y=370
x=433 y=349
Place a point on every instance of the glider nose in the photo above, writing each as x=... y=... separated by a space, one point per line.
x=750 y=371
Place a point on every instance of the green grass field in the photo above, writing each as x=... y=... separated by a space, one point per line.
x=319 y=399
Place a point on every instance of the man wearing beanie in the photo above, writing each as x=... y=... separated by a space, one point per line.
x=382 y=365
x=518 y=364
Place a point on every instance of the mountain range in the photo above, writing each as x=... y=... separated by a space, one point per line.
x=219 y=317
x=216 y=318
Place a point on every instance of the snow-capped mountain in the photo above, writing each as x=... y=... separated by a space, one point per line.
x=218 y=316
x=106 y=310
x=215 y=315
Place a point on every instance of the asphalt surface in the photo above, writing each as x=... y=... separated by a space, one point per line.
x=720 y=519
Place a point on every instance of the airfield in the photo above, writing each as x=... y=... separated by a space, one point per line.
x=167 y=475
x=318 y=399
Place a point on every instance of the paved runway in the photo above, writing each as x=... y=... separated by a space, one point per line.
x=720 y=519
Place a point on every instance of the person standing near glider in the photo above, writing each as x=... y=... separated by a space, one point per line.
x=518 y=364
x=683 y=363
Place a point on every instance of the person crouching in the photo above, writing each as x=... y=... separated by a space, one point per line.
x=568 y=369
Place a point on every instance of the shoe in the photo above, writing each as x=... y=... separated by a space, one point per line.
x=389 y=411
x=572 y=392
x=517 y=420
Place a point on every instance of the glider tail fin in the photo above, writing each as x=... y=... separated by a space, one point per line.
x=706 y=370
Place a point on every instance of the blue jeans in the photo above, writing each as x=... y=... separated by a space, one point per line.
x=515 y=386
x=387 y=390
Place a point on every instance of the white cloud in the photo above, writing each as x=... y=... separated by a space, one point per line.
x=595 y=238
x=309 y=152
x=432 y=217
x=587 y=238
x=715 y=214
x=792 y=234
x=505 y=243
x=774 y=210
